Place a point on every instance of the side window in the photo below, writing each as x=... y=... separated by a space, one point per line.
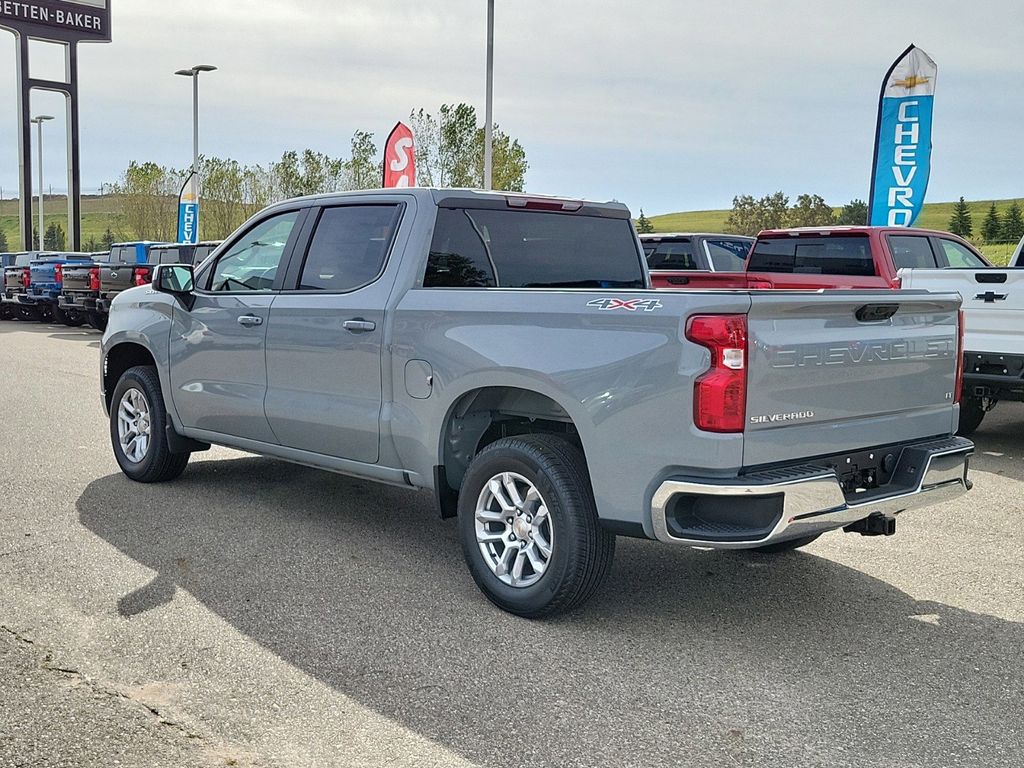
x=458 y=257
x=349 y=247
x=958 y=256
x=727 y=255
x=251 y=263
x=909 y=251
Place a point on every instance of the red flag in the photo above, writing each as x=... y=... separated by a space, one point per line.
x=400 y=158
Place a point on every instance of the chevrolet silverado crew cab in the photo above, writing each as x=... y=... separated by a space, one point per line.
x=507 y=353
x=677 y=253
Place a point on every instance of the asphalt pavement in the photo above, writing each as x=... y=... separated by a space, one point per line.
x=256 y=613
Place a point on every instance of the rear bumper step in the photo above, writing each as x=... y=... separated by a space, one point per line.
x=776 y=505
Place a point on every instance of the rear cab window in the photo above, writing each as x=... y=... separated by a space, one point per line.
x=814 y=255
x=677 y=253
x=911 y=252
x=727 y=255
x=496 y=248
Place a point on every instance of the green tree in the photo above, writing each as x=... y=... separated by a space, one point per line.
x=854 y=213
x=108 y=239
x=1013 y=224
x=55 y=240
x=91 y=245
x=363 y=169
x=643 y=224
x=811 y=211
x=992 y=226
x=960 y=223
x=508 y=161
x=149 y=200
x=35 y=240
x=4 y=246
x=749 y=215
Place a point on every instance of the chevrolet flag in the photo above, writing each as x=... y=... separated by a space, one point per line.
x=903 y=140
x=188 y=211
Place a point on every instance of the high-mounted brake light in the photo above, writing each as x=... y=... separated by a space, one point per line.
x=720 y=395
x=543 y=204
x=142 y=275
x=958 y=385
x=94 y=279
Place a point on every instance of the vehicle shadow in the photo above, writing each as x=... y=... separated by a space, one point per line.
x=686 y=656
x=998 y=443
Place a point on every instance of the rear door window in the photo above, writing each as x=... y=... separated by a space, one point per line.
x=528 y=249
x=727 y=255
x=957 y=256
x=673 y=254
x=832 y=255
x=349 y=247
x=911 y=252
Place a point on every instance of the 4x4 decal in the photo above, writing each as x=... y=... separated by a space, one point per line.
x=630 y=305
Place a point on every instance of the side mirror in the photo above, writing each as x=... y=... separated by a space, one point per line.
x=176 y=279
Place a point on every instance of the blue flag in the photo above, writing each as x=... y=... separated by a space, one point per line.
x=188 y=211
x=903 y=140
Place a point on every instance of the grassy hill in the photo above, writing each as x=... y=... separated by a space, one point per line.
x=98 y=213
x=933 y=216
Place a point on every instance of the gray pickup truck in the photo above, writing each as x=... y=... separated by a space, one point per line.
x=507 y=353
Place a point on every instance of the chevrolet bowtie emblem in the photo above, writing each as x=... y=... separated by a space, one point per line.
x=990 y=298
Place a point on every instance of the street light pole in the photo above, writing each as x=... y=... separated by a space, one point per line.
x=194 y=74
x=39 y=120
x=489 y=111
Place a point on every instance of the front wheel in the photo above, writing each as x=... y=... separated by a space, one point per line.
x=137 y=428
x=529 y=527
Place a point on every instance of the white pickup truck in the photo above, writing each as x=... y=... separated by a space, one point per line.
x=993 y=307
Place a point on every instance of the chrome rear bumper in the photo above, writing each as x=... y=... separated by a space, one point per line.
x=809 y=499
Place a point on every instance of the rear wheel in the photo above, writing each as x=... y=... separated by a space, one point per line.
x=71 y=317
x=98 y=320
x=138 y=423
x=28 y=313
x=786 y=546
x=972 y=413
x=529 y=527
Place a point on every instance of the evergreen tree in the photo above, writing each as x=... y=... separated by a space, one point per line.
x=1013 y=224
x=992 y=227
x=90 y=245
x=961 y=224
x=4 y=246
x=108 y=239
x=55 y=239
x=854 y=213
x=643 y=224
x=35 y=240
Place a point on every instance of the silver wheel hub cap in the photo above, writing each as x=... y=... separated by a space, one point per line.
x=134 y=425
x=513 y=529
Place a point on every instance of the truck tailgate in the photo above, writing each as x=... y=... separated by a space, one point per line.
x=993 y=303
x=76 y=278
x=116 y=278
x=846 y=370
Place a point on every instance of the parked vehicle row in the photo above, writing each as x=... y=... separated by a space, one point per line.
x=508 y=353
x=74 y=288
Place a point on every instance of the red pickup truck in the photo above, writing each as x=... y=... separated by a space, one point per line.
x=832 y=257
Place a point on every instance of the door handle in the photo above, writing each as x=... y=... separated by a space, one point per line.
x=359 y=325
x=250 y=320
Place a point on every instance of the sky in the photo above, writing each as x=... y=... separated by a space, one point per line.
x=664 y=105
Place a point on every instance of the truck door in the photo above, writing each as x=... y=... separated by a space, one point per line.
x=326 y=332
x=218 y=348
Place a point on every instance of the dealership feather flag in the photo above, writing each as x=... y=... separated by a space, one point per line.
x=903 y=140
x=400 y=158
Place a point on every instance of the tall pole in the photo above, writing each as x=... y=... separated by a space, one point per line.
x=195 y=131
x=489 y=111
x=39 y=124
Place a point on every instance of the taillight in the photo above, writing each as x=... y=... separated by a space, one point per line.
x=26 y=277
x=720 y=395
x=758 y=284
x=142 y=275
x=58 y=273
x=959 y=385
x=896 y=283
x=94 y=279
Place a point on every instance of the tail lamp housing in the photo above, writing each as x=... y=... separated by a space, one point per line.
x=720 y=394
x=94 y=279
x=142 y=276
x=58 y=273
x=26 y=277
x=958 y=386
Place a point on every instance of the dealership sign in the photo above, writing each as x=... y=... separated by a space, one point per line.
x=63 y=20
x=903 y=141
x=188 y=211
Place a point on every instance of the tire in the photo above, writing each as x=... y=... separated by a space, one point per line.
x=153 y=462
x=785 y=546
x=28 y=313
x=98 y=320
x=69 y=317
x=580 y=551
x=972 y=413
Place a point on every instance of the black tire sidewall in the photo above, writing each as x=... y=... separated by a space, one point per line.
x=563 y=511
x=142 y=379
